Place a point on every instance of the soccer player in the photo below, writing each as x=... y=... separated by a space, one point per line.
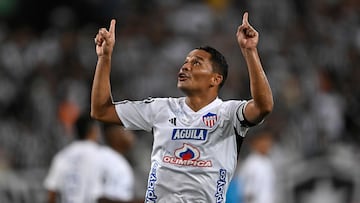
x=117 y=175
x=257 y=175
x=196 y=137
x=74 y=172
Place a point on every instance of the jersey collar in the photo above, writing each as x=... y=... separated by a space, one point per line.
x=203 y=110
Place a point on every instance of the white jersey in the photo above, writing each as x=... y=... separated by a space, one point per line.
x=74 y=173
x=194 y=153
x=257 y=177
x=117 y=176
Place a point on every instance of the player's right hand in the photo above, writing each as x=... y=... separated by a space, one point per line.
x=105 y=40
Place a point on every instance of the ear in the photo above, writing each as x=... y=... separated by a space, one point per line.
x=216 y=79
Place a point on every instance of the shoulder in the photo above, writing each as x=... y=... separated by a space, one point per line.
x=164 y=100
x=66 y=150
x=229 y=107
x=117 y=160
x=60 y=158
x=230 y=103
x=108 y=154
x=161 y=103
x=104 y=150
x=255 y=162
x=149 y=100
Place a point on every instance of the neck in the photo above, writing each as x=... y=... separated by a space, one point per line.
x=91 y=138
x=198 y=102
x=118 y=147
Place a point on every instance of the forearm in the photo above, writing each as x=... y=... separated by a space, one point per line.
x=259 y=85
x=101 y=90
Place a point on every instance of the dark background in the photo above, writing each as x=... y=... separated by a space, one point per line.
x=310 y=51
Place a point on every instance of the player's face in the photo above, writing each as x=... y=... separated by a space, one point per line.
x=196 y=74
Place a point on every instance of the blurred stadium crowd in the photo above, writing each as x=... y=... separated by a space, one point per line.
x=310 y=51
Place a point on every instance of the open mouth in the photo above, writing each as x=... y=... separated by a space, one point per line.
x=182 y=77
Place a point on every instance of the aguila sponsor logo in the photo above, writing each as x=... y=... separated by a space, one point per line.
x=187 y=155
x=189 y=134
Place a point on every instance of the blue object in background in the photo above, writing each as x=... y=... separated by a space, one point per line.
x=234 y=194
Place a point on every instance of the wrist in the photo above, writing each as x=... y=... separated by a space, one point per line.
x=104 y=57
x=249 y=51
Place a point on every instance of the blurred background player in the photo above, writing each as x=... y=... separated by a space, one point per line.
x=74 y=170
x=257 y=174
x=117 y=176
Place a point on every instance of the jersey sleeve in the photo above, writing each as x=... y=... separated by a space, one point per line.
x=236 y=109
x=52 y=180
x=240 y=123
x=137 y=115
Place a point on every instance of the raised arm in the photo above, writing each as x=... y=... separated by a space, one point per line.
x=102 y=107
x=262 y=99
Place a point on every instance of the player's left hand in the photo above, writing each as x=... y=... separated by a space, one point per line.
x=105 y=40
x=247 y=36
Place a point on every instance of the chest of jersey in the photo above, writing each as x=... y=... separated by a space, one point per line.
x=190 y=139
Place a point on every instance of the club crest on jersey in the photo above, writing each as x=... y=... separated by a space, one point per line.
x=210 y=119
x=187 y=155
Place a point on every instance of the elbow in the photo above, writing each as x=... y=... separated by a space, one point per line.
x=97 y=109
x=95 y=114
x=267 y=108
x=103 y=113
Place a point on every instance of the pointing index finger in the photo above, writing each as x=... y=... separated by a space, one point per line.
x=245 y=18
x=112 y=27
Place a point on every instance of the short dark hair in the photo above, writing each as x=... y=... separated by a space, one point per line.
x=83 y=125
x=218 y=61
x=260 y=131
